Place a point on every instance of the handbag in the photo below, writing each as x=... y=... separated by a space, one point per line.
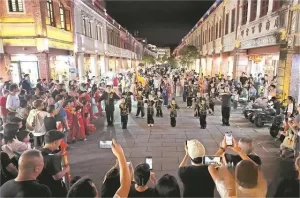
x=289 y=140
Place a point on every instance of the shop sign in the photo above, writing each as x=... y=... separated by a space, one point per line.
x=73 y=70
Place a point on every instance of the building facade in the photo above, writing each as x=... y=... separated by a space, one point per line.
x=63 y=39
x=35 y=35
x=245 y=36
x=163 y=51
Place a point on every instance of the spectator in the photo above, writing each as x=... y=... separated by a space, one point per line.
x=167 y=186
x=49 y=120
x=13 y=101
x=246 y=146
x=3 y=110
x=252 y=92
x=243 y=78
x=290 y=110
x=247 y=182
x=26 y=84
x=39 y=85
x=141 y=177
x=53 y=172
x=84 y=187
x=195 y=176
x=25 y=185
x=13 y=146
x=111 y=182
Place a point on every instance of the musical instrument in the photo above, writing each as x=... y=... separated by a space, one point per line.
x=65 y=162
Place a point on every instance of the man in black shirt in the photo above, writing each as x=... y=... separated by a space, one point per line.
x=109 y=96
x=243 y=78
x=226 y=104
x=25 y=185
x=141 y=177
x=196 y=179
x=53 y=172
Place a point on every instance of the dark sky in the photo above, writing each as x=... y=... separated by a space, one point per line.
x=163 y=23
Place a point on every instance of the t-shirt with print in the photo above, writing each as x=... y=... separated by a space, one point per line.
x=197 y=181
x=134 y=193
x=30 y=188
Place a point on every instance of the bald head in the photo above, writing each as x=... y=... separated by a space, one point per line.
x=31 y=161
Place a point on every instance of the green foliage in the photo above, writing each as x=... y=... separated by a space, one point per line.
x=172 y=62
x=188 y=54
x=148 y=60
x=164 y=58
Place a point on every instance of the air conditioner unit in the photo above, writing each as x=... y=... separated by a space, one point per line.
x=1 y=47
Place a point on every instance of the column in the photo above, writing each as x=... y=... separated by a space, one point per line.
x=4 y=67
x=284 y=72
x=80 y=66
x=94 y=66
x=102 y=65
x=44 y=70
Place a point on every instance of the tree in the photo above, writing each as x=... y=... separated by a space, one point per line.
x=148 y=60
x=172 y=62
x=188 y=55
x=164 y=58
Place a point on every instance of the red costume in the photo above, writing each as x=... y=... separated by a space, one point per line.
x=79 y=126
x=100 y=110
x=70 y=117
x=90 y=127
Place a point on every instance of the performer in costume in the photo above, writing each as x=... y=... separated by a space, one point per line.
x=190 y=95
x=109 y=96
x=124 y=113
x=150 y=111
x=140 y=104
x=70 y=110
x=197 y=105
x=173 y=114
x=127 y=96
x=203 y=107
x=158 y=103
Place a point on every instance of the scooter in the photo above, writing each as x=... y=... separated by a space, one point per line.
x=277 y=125
x=265 y=117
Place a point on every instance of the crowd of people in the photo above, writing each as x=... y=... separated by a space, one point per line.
x=38 y=122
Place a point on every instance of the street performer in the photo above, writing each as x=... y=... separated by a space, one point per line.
x=190 y=95
x=140 y=104
x=127 y=95
x=173 y=114
x=124 y=113
x=150 y=110
x=109 y=96
x=158 y=103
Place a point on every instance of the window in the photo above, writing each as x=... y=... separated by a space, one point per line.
x=226 y=23
x=217 y=31
x=209 y=38
x=50 y=13
x=220 y=29
x=84 y=26
x=264 y=7
x=15 y=6
x=67 y=20
x=62 y=16
x=99 y=32
x=253 y=10
x=277 y=4
x=244 y=12
x=232 y=20
x=212 y=33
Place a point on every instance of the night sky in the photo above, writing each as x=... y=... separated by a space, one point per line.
x=163 y=23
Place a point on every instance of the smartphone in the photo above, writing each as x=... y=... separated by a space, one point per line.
x=149 y=161
x=212 y=160
x=228 y=138
x=105 y=144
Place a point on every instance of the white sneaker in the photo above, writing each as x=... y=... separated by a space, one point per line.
x=149 y=125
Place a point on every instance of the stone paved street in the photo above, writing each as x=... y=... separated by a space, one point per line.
x=164 y=143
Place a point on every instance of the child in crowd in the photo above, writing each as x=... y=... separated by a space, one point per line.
x=124 y=113
x=140 y=104
x=158 y=103
x=197 y=105
x=127 y=95
x=203 y=107
x=211 y=105
x=150 y=110
x=89 y=128
x=69 y=108
x=173 y=114
x=79 y=124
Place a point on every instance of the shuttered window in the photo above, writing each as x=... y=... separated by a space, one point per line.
x=15 y=6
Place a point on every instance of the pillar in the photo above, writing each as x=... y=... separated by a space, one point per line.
x=4 y=66
x=284 y=72
x=102 y=65
x=80 y=66
x=44 y=69
x=94 y=66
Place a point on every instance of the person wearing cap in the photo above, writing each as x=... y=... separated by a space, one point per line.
x=109 y=96
x=53 y=173
x=196 y=179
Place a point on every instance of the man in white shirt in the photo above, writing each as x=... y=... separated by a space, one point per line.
x=156 y=84
x=13 y=101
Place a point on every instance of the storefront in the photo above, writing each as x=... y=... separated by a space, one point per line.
x=112 y=63
x=24 y=64
x=263 y=60
x=295 y=78
x=62 y=68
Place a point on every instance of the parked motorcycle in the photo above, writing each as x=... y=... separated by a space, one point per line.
x=265 y=117
x=277 y=125
x=254 y=113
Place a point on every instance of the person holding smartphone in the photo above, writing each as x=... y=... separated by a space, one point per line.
x=196 y=179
